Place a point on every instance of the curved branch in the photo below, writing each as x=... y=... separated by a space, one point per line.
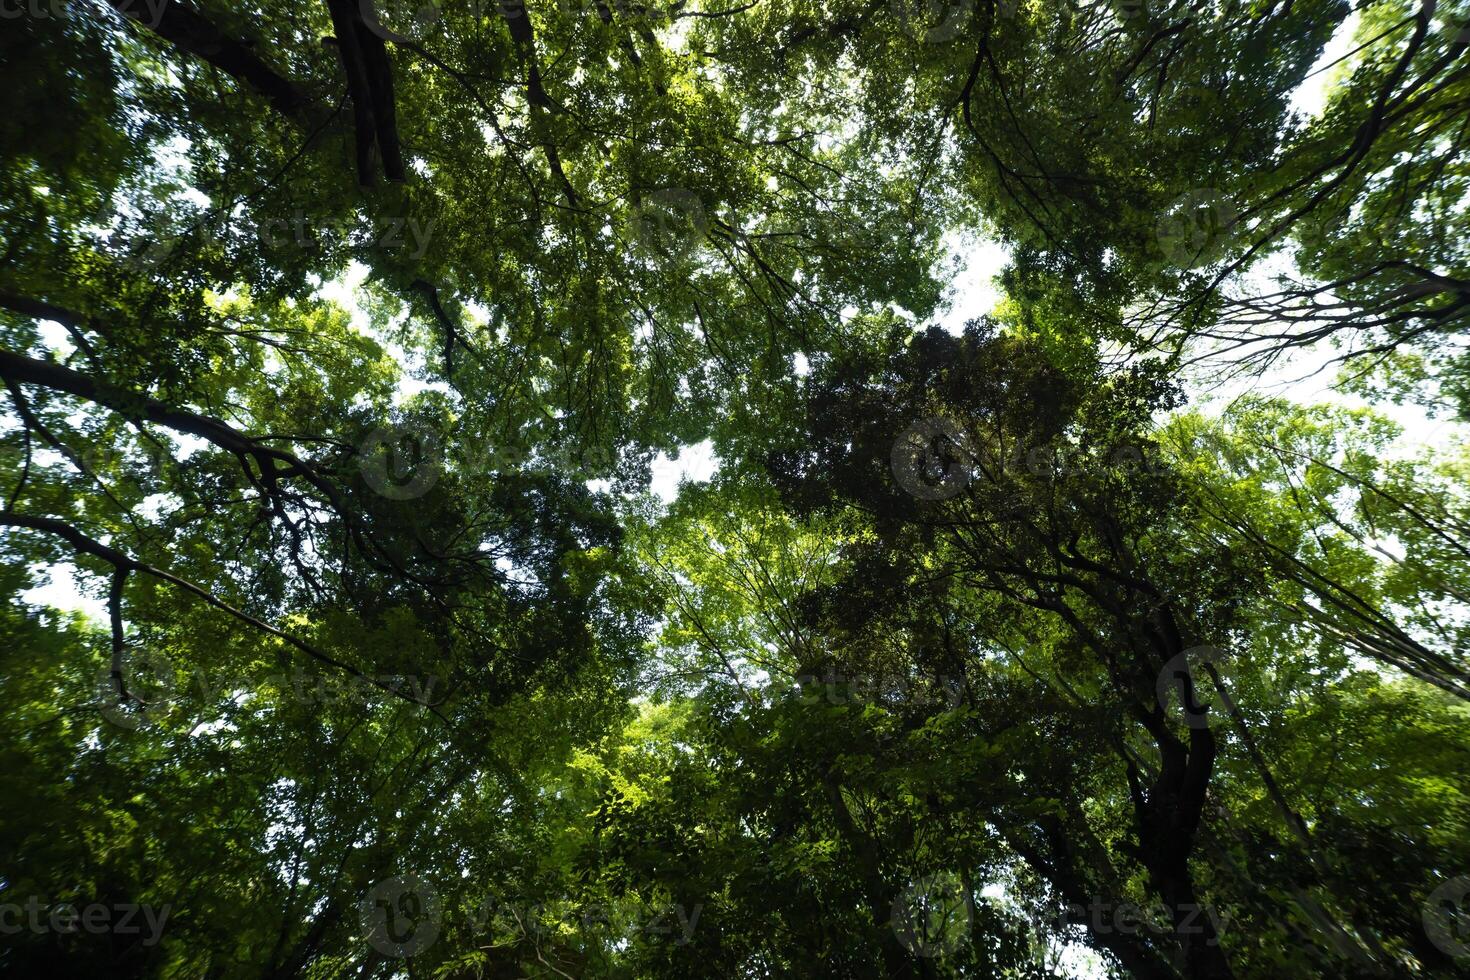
x=123 y=564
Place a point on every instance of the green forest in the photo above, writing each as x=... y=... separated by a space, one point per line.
x=734 y=489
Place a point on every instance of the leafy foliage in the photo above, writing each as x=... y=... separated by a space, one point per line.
x=341 y=344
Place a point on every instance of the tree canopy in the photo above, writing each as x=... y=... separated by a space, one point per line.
x=1122 y=629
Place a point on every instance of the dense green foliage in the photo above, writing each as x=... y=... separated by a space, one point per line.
x=341 y=344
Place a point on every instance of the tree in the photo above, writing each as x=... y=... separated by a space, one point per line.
x=340 y=343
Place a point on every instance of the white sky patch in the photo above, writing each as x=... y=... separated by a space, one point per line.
x=62 y=590
x=479 y=312
x=344 y=293
x=1311 y=96
x=153 y=507
x=54 y=337
x=1082 y=962
x=1307 y=376
x=974 y=292
x=697 y=463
